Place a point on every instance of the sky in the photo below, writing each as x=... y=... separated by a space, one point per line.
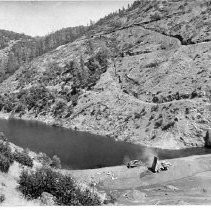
x=38 y=18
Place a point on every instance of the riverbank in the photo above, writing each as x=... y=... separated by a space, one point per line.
x=188 y=181
x=50 y=121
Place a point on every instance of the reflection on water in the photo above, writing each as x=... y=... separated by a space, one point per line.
x=81 y=150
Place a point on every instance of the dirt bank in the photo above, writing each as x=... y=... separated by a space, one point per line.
x=186 y=182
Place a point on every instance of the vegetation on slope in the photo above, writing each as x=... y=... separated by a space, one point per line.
x=36 y=181
x=152 y=54
x=62 y=187
x=19 y=49
x=6 y=152
x=39 y=99
x=23 y=158
x=7 y=36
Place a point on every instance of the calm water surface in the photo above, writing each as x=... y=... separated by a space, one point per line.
x=81 y=150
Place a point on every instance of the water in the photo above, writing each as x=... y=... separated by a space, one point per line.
x=81 y=150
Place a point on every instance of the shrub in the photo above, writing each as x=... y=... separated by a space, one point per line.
x=152 y=65
x=154 y=108
x=56 y=162
x=168 y=125
x=44 y=159
x=137 y=115
x=5 y=150
x=164 y=46
x=110 y=199
x=37 y=97
x=116 y=24
x=2 y=136
x=158 y=123
x=59 y=107
x=102 y=58
x=20 y=108
x=155 y=16
x=23 y=158
x=2 y=198
x=33 y=183
x=151 y=117
x=4 y=164
x=8 y=105
x=86 y=198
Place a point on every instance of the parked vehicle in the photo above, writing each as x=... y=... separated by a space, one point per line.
x=134 y=163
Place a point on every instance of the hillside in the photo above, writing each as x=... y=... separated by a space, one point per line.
x=19 y=49
x=141 y=75
x=7 y=36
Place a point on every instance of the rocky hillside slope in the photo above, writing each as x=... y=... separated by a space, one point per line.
x=141 y=75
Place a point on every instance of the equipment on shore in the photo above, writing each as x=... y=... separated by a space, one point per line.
x=158 y=166
x=134 y=163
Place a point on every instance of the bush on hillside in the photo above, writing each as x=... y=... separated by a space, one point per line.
x=87 y=198
x=23 y=158
x=20 y=108
x=51 y=74
x=168 y=125
x=115 y=24
x=59 y=107
x=33 y=183
x=56 y=162
x=2 y=136
x=155 y=16
x=1 y=102
x=158 y=123
x=2 y=198
x=5 y=150
x=38 y=97
x=44 y=159
x=152 y=65
x=4 y=164
x=9 y=103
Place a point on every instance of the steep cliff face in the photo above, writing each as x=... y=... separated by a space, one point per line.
x=142 y=75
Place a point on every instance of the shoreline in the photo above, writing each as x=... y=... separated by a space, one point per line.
x=50 y=121
x=140 y=186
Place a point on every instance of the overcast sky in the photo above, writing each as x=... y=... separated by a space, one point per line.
x=39 y=17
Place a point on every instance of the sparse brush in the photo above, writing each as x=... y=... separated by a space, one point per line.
x=23 y=158
x=5 y=150
x=155 y=17
x=2 y=198
x=152 y=65
x=158 y=123
x=44 y=159
x=56 y=162
x=4 y=164
x=110 y=199
x=33 y=183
